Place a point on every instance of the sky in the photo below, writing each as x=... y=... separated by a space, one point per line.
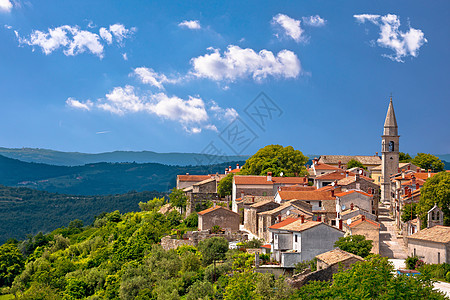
x=223 y=77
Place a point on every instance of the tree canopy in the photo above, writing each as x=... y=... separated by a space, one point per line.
x=276 y=159
x=213 y=249
x=225 y=185
x=428 y=162
x=178 y=198
x=404 y=157
x=356 y=244
x=352 y=163
x=436 y=190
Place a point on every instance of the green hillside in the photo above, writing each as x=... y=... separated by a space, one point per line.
x=26 y=211
x=99 y=178
x=60 y=158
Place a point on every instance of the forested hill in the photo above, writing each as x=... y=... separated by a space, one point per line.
x=60 y=158
x=99 y=178
x=26 y=211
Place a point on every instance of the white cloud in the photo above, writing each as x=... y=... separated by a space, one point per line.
x=79 y=105
x=120 y=32
x=290 y=26
x=191 y=113
x=228 y=114
x=7 y=26
x=73 y=40
x=315 y=21
x=5 y=6
x=106 y=35
x=193 y=24
x=240 y=63
x=402 y=43
x=149 y=76
x=124 y=56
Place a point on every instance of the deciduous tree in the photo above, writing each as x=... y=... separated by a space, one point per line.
x=356 y=244
x=436 y=190
x=428 y=161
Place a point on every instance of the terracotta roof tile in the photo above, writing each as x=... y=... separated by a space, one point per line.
x=351 y=179
x=359 y=219
x=298 y=226
x=197 y=178
x=438 y=234
x=344 y=159
x=262 y=180
x=283 y=223
x=214 y=208
x=306 y=195
x=297 y=188
x=337 y=255
x=336 y=175
x=351 y=192
x=322 y=166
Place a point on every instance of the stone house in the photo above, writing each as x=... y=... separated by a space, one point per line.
x=336 y=259
x=261 y=185
x=302 y=240
x=353 y=211
x=432 y=245
x=362 y=184
x=187 y=180
x=360 y=225
x=220 y=216
x=356 y=198
x=315 y=198
x=318 y=169
x=251 y=214
x=291 y=209
x=341 y=161
x=245 y=202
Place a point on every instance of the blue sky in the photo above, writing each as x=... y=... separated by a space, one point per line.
x=173 y=76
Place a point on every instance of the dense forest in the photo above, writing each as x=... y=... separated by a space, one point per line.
x=27 y=211
x=98 y=178
x=118 y=257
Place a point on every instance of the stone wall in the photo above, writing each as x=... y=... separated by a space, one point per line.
x=198 y=198
x=168 y=243
x=194 y=237
x=222 y=217
x=300 y=280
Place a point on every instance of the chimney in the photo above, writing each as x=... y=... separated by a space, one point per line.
x=242 y=195
x=319 y=218
x=340 y=224
x=403 y=174
x=339 y=164
x=409 y=167
x=279 y=218
x=376 y=153
x=418 y=170
x=302 y=218
x=187 y=173
x=237 y=166
x=351 y=206
x=226 y=171
x=279 y=188
x=269 y=176
x=417 y=186
x=429 y=173
x=398 y=170
x=253 y=199
x=370 y=191
x=315 y=160
x=229 y=168
x=363 y=218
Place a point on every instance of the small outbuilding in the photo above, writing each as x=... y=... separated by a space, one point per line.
x=432 y=245
x=220 y=216
x=336 y=258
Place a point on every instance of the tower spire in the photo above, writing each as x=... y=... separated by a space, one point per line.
x=390 y=124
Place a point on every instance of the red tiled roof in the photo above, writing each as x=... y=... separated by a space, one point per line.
x=262 y=180
x=322 y=166
x=208 y=210
x=421 y=175
x=267 y=246
x=418 y=180
x=234 y=171
x=306 y=195
x=298 y=188
x=360 y=220
x=284 y=222
x=197 y=178
x=336 y=175
x=351 y=192
x=299 y=226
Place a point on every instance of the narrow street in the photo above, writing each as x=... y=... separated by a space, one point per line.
x=390 y=245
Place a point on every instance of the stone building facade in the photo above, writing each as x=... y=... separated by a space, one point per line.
x=219 y=216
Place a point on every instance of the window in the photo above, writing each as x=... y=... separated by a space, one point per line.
x=437 y=216
x=391 y=146
x=432 y=215
x=295 y=238
x=414 y=254
x=439 y=257
x=333 y=222
x=320 y=203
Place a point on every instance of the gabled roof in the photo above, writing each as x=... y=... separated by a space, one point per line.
x=297 y=188
x=337 y=255
x=262 y=203
x=298 y=226
x=336 y=189
x=359 y=220
x=336 y=175
x=215 y=208
x=421 y=175
x=438 y=234
x=286 y=205
x=262 y=180
x=190 y=178
x=343 y=194
x=306 y=195
x=344 y=159
x=283 y=223
x=204 y=181
x=323 y=166
x=351 y=179
x=410 y=182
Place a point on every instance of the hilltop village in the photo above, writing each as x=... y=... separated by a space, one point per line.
x=301 y=218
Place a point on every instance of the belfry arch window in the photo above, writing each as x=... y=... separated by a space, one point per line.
x=391 y=146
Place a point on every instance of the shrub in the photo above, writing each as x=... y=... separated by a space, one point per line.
x=410 y=262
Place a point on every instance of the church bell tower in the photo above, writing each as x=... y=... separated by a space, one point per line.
x=390 y=152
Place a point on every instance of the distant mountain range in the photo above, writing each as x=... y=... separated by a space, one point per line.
x=59 y=158
x=99 y=178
